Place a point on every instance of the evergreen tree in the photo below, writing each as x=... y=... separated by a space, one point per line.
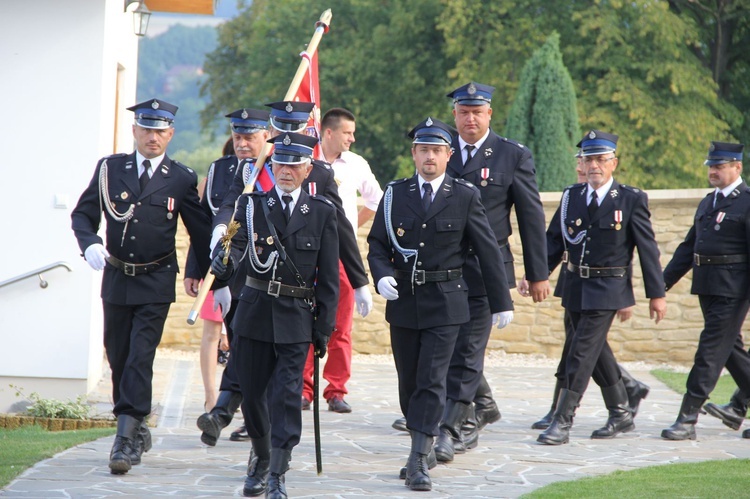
x=544 y=118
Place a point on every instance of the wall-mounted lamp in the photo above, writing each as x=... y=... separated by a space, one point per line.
x=141 y=16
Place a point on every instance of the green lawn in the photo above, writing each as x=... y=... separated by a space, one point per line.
x=728 y=478
x=23 y=447
x=709 y=479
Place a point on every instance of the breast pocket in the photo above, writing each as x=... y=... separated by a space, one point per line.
x=610 y=231
x=448 y=232
x=307 y=250
x=403 y=228
x=162 y=210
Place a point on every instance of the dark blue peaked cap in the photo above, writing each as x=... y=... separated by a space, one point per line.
x=472 y=94
x=290 y=116
x=248 y=120
x=154 y=113
x=723 y=152
x=432 y=131
x=596 y=142
x=292 y=148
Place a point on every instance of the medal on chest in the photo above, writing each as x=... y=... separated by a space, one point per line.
x=485 y=174
x=170 y=208
x=312 y=188
x=719 y=218
x=618 y=219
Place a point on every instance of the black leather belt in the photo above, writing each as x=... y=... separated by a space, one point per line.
x=275 y=288
x=585 y=272
x=423 y=276
x=132 y=269
x=699 y=260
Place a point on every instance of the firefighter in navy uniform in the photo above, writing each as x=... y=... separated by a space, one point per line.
x=419 y=243
x=717 y=248
x=141 y=195
x=288 y=302
x=288 y=116
x=594 y=232
x=504 y=173
x=249 y=134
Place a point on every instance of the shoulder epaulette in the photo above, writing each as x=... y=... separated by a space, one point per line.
x=511 y=141
x=322 y=199
x=185 y=168
x=116 y=155
x=464 y=183
x=630 y=188
x=399 y=181
x=322 y=164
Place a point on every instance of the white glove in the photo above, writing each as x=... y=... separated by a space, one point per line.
x=363 y=300
x=502 y=319
x=223 y=299
x=219 y=232
x=96 y=256
x=387 y=288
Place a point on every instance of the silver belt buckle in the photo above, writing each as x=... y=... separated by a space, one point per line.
x=419 y=277
x=697 y=259
x=274 y=287
x=583 y=271
x=128 y=269
x=565 y=256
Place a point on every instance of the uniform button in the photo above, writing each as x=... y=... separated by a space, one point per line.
x=419 y=264
x=281 y=264
x=169 y=266
x=131 y=255
x=589 y=226
x=132 y=238
x=308 y=245
x=135 y=220
x=421 y=245
x=587 y=252
x=449 y=226
x=588 y=239
x=138 y=203
x=459 y=286
x=424 y=226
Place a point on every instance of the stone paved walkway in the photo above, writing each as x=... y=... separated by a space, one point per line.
x=362 y=453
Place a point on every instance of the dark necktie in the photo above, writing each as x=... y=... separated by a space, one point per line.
x=427 y=197
x=593 y=205
x=144 y=178
x=287 y=198
x=718 y=198
x=469 y=148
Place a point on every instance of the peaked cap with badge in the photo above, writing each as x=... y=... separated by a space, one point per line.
x=248 y=120
x=292 y=148
x=723 y=152
x=290 y=116
x=432 y=131
x=154 y=113
x=596 y=142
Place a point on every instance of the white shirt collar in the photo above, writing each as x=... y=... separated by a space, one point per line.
x=728 y=189
x=140 y=158
x=295 y=195
x=600 y=192
x=436 y=183
x=478 y=144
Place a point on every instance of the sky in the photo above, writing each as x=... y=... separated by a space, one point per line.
x=161 y=22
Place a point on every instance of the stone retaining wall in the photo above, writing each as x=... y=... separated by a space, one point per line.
x=537 y=328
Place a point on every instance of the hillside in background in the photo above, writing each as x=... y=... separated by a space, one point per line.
x=170 y=67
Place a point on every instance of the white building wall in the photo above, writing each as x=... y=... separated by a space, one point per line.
x=58 y=116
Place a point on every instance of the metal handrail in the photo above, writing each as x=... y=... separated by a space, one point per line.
x=38 y=272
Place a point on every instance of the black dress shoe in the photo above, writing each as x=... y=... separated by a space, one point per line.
x=239 y=435
x=338 y=404
x=400 y=425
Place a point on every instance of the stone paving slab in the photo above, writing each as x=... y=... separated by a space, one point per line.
x=362 y=454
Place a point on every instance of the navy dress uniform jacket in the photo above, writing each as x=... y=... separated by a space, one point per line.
x=321 y=177
x=455 y=220
x=310 y=239
x=709 y=236
x=605 y=246
x=150 y=234
x=510 y=182
x=221 y=174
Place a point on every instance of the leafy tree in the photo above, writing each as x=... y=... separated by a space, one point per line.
x=544 y=117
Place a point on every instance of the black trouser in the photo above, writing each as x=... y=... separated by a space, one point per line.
x=467 y=361
x=422 y=357
x=270 y=376
x=587 y=350
x=229 y=381
x=599 y=374
x=720 y=345
x=131 y=335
